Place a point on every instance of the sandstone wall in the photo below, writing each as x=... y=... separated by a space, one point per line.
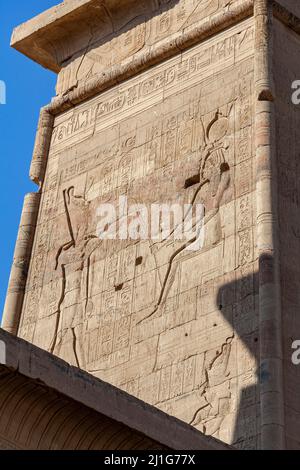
x=178 y=329
x=35 y=417
x=291 y=5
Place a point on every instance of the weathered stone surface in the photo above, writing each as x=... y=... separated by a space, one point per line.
x=47 y=405
x=287 y=47
x=171 y=102
x=104 y=34
x=291 y=5
x=115 y=145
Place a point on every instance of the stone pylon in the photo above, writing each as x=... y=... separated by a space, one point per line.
x=167 y=104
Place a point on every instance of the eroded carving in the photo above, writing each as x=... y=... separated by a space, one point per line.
x=142 y=318
x=212 y=180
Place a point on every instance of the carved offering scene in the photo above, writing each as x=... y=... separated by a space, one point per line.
x=156 y=277
x=132 y=304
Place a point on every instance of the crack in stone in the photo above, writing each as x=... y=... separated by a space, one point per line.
x=75 y=347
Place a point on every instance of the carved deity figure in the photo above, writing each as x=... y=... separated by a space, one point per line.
x=73 y=264
x=212 y=180
x=73 y=259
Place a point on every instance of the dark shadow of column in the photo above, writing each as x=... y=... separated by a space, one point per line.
x=238 y=303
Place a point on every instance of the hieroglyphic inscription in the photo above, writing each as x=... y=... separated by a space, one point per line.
x=119 y=308
x=213 y=56
x=132 y=30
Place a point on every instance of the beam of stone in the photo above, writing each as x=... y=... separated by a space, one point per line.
x=271 y=379
x=48 y=376
x=44 y=38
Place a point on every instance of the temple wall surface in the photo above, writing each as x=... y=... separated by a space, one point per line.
x=175 y=327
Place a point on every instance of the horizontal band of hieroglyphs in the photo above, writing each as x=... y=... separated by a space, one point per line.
x=179 y=70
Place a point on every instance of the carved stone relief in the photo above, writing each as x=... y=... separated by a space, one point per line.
x=143 y=315
x=117 y=36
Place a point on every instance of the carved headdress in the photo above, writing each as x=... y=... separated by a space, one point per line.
x=215 y=146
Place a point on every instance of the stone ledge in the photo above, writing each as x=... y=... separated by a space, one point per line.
x=38 y=365
x=36 y=38
x=49 y=38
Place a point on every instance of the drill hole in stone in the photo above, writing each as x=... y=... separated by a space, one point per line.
x=139 y=261
x=119 y=287
x=192 y=181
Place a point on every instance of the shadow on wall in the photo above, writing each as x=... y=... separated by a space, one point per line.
x=238 y=303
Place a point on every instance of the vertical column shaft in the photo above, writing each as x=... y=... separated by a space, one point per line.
x=18 y=276
x=271 y=379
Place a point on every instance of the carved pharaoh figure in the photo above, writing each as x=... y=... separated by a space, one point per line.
x=212 y=181
x=72 y=262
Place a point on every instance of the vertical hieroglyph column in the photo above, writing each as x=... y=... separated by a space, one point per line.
x=271 y=382
x=18 y=277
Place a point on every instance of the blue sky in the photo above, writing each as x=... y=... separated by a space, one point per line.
x=29 y=87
